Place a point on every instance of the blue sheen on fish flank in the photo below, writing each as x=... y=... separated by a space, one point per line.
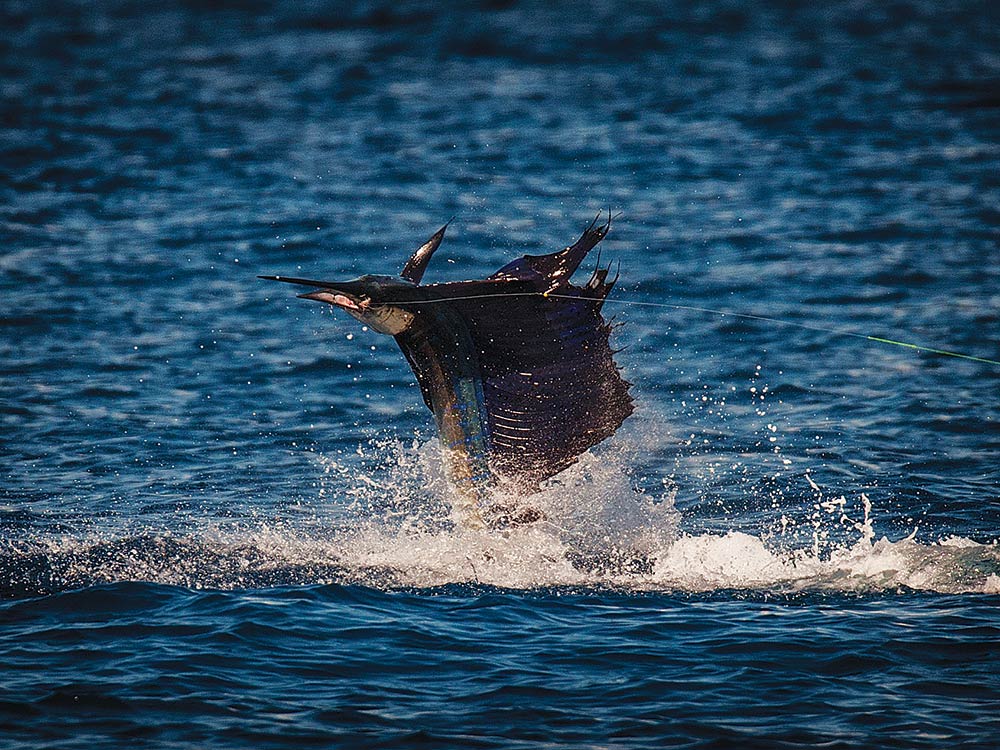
x=216 y=527
x=439 y=347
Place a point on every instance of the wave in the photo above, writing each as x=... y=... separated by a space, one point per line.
x=529 y=558
x=399 y=529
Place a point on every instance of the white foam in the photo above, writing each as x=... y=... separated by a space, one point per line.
x=390 y=522
x=600 y=530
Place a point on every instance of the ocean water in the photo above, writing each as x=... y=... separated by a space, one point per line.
x=223 y=521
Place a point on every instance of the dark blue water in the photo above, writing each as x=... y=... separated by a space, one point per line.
x=223 y=521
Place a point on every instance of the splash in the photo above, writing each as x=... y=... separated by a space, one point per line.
x=601 y=531
x=741 y=561
x=396 y=527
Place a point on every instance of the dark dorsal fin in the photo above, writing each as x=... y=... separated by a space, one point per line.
x=417 y=264
x=550 y=385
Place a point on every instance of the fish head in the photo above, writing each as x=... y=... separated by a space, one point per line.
x=373 y=300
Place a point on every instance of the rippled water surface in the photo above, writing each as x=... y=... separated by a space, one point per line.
x=222 y=516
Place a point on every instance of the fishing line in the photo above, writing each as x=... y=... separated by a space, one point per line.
x=724 y=313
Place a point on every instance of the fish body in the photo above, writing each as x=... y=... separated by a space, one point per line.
x=516 y=368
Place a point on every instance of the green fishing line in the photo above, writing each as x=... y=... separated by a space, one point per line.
x=723 y=313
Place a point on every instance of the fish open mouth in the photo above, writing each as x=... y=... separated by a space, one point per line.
x=359 y=304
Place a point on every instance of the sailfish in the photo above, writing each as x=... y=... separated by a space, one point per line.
x=517 y=368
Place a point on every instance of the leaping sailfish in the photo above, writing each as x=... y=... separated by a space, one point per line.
x=517 y=367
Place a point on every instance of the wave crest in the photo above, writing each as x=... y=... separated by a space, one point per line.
x=396 y=527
